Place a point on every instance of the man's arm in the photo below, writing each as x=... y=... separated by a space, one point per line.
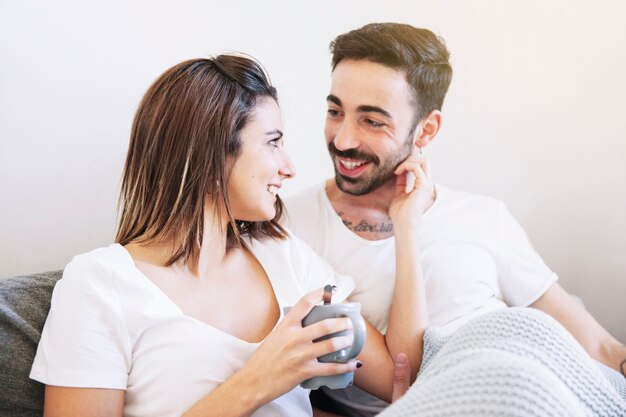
x=598 y=342
x=321 y=413
x=401 y=377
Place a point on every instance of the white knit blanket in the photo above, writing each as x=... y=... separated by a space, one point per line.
x=513 y=362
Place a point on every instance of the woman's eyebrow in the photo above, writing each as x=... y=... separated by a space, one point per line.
x=275 y=132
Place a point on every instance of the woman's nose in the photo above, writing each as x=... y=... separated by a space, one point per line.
x=288 y=170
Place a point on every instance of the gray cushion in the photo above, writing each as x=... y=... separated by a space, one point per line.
x=24 y=305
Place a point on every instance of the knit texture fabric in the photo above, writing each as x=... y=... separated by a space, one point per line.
x=24 y=305
x=512 y=362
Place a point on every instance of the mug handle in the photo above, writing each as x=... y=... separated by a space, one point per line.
x=359 y=332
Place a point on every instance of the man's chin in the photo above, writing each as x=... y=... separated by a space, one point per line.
x=361 y=186
x=352 y=186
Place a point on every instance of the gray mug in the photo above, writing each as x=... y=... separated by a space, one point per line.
x=329 y=311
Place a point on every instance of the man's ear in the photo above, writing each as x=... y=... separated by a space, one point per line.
x=429 y=127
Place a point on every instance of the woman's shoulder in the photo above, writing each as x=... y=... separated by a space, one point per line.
x=297 y=261
x=112 y=251
x=289 y=253
x=287 y=246
x=97 y=266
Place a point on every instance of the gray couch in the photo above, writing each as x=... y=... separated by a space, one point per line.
x=24 y=305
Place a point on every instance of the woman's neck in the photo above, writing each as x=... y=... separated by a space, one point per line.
x=209 y=256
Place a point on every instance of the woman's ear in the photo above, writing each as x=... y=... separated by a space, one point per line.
x=427 y=129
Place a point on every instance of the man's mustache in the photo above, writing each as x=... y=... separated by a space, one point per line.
x=352 y=154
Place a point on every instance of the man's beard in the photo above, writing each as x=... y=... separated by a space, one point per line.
x=383 y=170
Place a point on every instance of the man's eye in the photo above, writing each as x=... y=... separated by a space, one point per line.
x=333 y=112
x=374 y=123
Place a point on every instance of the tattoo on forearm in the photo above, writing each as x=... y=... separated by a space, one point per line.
x=365 y=226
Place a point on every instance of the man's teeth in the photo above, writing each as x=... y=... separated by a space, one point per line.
x=272 y=189
x=351 y=164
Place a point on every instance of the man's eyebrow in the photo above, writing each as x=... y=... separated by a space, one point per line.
x=275 y=132
x=364 y=108
x=334 y=99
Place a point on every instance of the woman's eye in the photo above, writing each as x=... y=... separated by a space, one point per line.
x=275 y=142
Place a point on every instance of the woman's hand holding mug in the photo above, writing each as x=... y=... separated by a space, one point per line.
x=288 y=356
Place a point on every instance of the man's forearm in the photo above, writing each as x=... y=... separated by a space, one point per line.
x=594 y=338
x=321 y=413
x=408 y=317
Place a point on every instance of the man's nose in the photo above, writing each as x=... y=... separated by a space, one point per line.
x=347 y=137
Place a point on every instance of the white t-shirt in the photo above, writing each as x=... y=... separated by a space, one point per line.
x=475 y=257
x=109 y=326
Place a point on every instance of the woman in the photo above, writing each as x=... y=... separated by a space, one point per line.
x=182 y=315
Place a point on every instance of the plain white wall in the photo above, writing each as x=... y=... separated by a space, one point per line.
x=534 y=115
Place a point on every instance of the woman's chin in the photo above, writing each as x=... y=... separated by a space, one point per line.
x=265 y=216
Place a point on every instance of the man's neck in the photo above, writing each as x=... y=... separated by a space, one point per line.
x=366 y=215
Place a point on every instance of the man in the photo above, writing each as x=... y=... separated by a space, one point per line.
x=388 y=86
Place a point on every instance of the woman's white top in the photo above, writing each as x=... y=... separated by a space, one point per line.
x=110 y=326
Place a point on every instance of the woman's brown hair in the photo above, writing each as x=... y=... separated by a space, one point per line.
x=187 y=125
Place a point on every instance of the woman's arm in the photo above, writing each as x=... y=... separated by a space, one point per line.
x=87 y=402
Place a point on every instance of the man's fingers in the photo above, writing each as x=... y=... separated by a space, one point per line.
x=401 y=376
x=410 y=182
x=425 y=164
x=416 y=165
x=413 y=172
